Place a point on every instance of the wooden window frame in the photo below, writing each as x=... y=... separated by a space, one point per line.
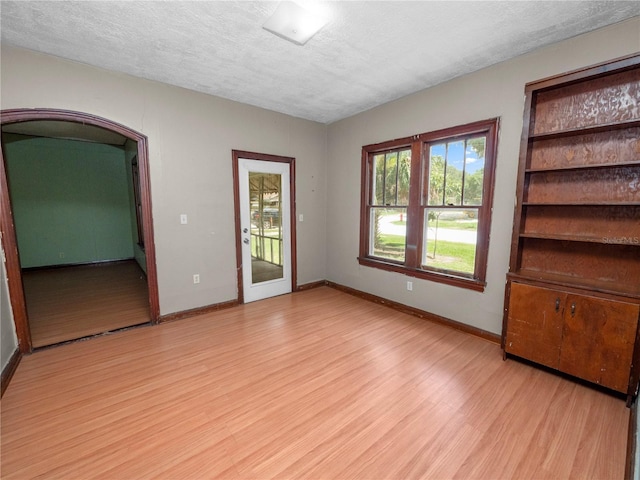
x=419 y=145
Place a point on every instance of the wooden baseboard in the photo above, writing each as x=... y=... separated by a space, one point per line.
x=99 y=263
x=630 y=466
x=221 y=306
x=9 y=370
x=492 y=337
x=309 y=286
x=197 y=311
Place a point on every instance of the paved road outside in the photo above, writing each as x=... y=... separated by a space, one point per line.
x=446 y=234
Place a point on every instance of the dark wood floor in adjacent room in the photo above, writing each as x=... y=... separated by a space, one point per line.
x=73 y=302
x=317 y=384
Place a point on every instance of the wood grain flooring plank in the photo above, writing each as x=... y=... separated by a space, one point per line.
x=73 y=302
x=317 y=385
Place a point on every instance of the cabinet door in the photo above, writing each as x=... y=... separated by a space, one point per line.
x=534 y=328
x=598 y=340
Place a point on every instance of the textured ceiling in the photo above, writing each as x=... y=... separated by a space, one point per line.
x=371 y=52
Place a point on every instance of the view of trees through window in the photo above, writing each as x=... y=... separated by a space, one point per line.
x=391 y=192
x=438 y=221
x=455 y=177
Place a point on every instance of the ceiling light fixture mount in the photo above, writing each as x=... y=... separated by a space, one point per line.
x=294 y=23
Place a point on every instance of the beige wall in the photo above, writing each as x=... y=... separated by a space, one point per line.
x=497 y=91
x=191 y=136
x=190 y=140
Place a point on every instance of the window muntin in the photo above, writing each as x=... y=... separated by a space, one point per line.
x=434 y=224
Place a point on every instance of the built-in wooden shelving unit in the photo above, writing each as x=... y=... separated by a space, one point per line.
x=573 y=290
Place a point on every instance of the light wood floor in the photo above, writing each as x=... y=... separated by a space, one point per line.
x=74 y=302
x=317 y=384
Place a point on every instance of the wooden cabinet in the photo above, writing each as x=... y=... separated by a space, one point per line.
x=573 y=290
x=535 y=323
x=589 y=337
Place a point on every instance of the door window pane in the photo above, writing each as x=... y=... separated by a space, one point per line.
x=266 y=226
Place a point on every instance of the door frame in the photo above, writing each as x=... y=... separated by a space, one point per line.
x=236 y=156
x=7 y=226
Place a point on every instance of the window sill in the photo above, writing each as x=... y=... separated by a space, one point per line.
x=448 y=279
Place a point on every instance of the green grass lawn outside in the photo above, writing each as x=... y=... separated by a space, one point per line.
x=459 y=257
x=470 y=224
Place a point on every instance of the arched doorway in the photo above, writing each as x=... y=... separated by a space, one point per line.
x=7 y=225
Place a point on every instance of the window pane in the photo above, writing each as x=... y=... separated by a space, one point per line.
x=388 y=234
x=378 y=179
x=450 y=239
x=436 y=174
x=474 y=171
x=453 y=173
x=404 y=176
x=390 y=181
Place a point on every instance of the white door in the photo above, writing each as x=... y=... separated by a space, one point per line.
x=265 y=222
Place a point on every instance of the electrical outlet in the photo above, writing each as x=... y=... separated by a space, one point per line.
x=410 y=286
x=196 y=278
x=183 y=219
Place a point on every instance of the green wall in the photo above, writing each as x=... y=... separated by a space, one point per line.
x=70 y=200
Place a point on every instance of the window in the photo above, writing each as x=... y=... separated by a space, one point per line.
x=426 y=204
x=390 y=202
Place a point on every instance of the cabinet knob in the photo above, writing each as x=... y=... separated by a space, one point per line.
x=557 y=304
x=573 y=309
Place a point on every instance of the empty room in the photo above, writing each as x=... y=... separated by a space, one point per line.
x=320 y=239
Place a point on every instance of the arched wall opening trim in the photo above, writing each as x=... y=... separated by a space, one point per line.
x=7 y=226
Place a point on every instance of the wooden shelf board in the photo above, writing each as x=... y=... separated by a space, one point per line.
x=585 y=167
x=584 y=130
x=577 y=238
x=582 y=204
x=603 y=286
